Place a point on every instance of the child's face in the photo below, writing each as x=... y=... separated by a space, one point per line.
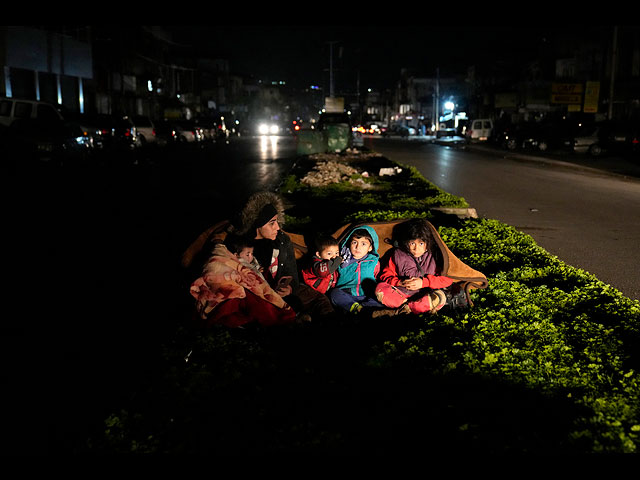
x=329 y=253
x=246 y=254
x=360 y=247
x=417 y=247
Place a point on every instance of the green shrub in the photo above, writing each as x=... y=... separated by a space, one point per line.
x=544 y=339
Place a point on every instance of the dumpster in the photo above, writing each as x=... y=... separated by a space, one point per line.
x=309 y=142
x=338 y=137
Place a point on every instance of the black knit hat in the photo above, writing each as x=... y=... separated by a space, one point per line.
x=266 y=214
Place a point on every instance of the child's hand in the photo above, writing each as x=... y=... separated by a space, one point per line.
x=414 y=283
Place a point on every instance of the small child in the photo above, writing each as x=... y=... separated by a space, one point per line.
x=355 y=288
x=410 y=281
x=242 y=247
x=321 y=274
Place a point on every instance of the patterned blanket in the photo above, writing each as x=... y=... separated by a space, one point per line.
x=225 y=277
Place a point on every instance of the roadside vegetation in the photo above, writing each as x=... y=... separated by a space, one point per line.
x=546 y=360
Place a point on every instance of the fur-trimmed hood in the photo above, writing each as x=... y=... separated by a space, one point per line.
x=252 y=208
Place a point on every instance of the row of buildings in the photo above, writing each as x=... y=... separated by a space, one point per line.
x=143 y=70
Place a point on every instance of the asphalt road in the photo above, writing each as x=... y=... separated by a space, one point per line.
x=589 y=217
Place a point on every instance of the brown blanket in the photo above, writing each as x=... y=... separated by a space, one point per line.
x=451 y=266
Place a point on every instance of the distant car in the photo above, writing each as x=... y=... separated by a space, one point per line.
x=39 y=140
x=189 y=131
x=269 y=128
x=89 y=128
x=479 y=130
x=145 y=130
x=554 y=135
x=398 y=130
x=607 y=137
x=166 y=132
x=214 y=128
x=551 y=135
x=115 y=132
x=587 y=140
x=179 y=131
x=521 y=136
x=12 y=109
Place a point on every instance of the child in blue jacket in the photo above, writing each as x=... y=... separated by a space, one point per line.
x=356 y=284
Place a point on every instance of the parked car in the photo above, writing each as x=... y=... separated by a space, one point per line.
x=167 y=132
x=114 y=132
x=479 y=130
x=145 y=130
x=607 y=137
x=12 y=109
x=214 y=128
x=40 y=140
x=89 y=126
x=398 y=130
x=188 y=131
x=179 y=131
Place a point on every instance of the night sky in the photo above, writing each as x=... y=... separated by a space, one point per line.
x=299 y=55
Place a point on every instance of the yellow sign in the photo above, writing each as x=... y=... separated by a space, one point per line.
x=566 y=93
x=566 y=88
x=567 y=99
x=591 y=96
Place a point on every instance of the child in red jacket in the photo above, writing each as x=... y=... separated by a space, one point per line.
x=410 y=280
x=321 y=274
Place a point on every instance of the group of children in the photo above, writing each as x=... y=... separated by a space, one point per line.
x=352 y=276
x=407 y=282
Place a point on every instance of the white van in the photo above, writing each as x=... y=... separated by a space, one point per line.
x=14 y=108
x=479 y=130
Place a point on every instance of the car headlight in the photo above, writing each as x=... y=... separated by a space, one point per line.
x=273 y=129
x=263 y=129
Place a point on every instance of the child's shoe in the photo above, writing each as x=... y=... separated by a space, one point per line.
x=438 y=300
x=355 y=308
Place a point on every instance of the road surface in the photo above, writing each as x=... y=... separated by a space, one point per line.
x=589 y=220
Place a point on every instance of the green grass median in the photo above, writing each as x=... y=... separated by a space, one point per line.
x=546 y=360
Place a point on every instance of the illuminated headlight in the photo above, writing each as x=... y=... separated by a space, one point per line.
x=273 y=129
x=263 y=129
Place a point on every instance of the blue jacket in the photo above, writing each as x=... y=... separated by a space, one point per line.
x=353 y=273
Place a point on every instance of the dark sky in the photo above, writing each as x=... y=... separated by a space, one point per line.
x=374 y=54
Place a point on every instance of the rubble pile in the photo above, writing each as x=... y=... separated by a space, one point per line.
x=328 y=172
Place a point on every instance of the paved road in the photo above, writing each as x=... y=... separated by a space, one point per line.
x=587 y=217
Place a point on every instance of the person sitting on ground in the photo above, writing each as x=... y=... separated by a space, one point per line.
x=321 y=271
x=262 y=217
x=409 y=280
x=232 y=293
x=355 y=288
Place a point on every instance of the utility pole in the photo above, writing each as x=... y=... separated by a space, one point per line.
x=331 y=68
x=614 y=61
x=437 y=107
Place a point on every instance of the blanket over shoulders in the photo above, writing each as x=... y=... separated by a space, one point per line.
x=225 y=277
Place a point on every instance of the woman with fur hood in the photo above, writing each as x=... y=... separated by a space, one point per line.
x=263 y=215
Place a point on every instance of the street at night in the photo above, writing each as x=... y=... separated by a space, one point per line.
x=121 y=145
x=113 y=238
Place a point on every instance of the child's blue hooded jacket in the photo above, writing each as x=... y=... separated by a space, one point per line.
x=354 y=272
